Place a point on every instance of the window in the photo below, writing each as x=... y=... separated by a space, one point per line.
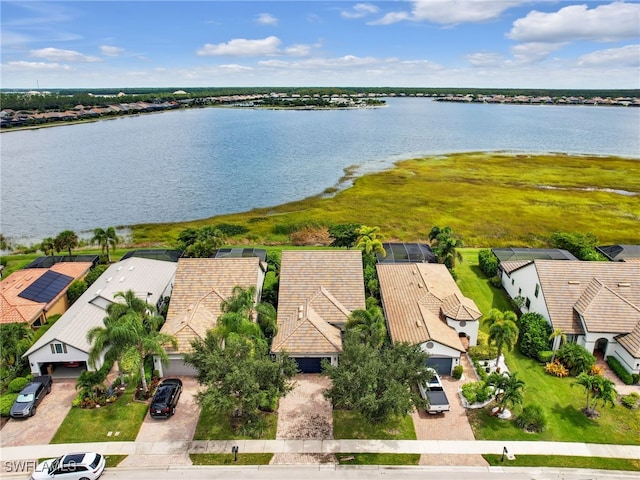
x=513 y=281
x=527 y=303
x=537 y=290
x=58 y=348
x=519 y=291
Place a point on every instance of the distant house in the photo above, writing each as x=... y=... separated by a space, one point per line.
x=318 y=291
x=424 y=306
x=201 y=285
x=66 y=341
x=520 y=254
x=596 y=304
x=35 y=293
x=406 y=253
x=620 y=253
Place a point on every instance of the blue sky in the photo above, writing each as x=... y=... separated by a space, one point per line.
x=429 y=43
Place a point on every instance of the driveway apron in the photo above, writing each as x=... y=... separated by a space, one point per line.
x=305 y=414
x=50 y=414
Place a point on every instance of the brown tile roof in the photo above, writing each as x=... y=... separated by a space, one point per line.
x=509 y=267
x=415 y=296
x=15 y=309
x=318 y=291
x=631 y=342
x=607 y=293
x=200 y=286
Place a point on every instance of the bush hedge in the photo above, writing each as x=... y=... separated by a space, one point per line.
x=620 y=371
x=632 y=400
x=488 y=262
x=457 y=372
x=534 y=334
x=476 y=392
x=17 y=384
x=545 y=356
x=576 y=358
x=6 y=402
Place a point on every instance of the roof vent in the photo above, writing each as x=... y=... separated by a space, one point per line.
x=122 y=279
x=574 y=282
x=300 y=311
x=420 y=285
x=98 y=292
x=109 y=279
x=418 y=323
x=120 y=268
x=131 y=267
x=624 y=284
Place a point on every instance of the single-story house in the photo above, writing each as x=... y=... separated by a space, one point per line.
x=200 y=287
x=32 y=295
x=423 y=305
x=596 y=304
x=318 y=291
x=620 y=253
x=66 y=340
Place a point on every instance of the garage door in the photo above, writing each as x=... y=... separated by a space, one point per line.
x=177 y=368
x=309 y=365
x=441 y=365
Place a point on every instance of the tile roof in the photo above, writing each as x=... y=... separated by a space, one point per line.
x=416 y=296
x=607 y=293
x=318 y=291
x=15 y=309
x=200 y=287
x=631 y=341
x=509 y=267
x=141 y=275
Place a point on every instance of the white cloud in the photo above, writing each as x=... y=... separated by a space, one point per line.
x=615 y=21
x=299 y=50
x=450 y=12
x=485 y=59
x=60 y=55
x=30 y=66
x=241 y=47
x=111 y=51
x=533 y=51
x=266 y=19
x=627 y=56
x=360 y=10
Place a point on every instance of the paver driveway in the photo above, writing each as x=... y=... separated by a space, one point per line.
x=305 y=414
x=180 y=427
x=50 y=414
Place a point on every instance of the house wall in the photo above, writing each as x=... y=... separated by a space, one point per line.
x=439 y=350
x=470 y=329
x=631 y=364
x=522 y=282
x=44 y=356
x=61 y=306
x=589 y=340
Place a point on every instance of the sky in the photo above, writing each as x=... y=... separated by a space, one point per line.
x=428 y=43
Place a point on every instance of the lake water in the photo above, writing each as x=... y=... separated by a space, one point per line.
x=191 y=164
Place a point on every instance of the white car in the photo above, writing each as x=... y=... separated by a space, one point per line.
x=73 y=466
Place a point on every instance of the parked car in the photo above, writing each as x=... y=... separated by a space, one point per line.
x=30 y=397
x=73 y=466
x=433 y=391
x=166 y=398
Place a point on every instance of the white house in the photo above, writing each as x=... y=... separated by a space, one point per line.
x=596 y=304
x=423 y=305
x=66 y=341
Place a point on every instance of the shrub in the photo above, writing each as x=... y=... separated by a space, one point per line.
x=310 y=236
x=483 y=352
x=481 y=372
x=476 y=392
x=596 y=371
x=75 y=290
x=619 y=370
x=230 y=230
x=94 y=273
x=635 y=378
x=6 y=402
x=496 y=281
x=632 y=400
x=534 y=334
x=532 y=419
x=457 y=372
x=545 y=356
x=488 y=262
x=556 y=369
x=576 y=358
x=17 y=384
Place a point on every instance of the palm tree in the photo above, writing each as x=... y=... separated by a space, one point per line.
x=66 y=240
x=368 y=325
x=48 y=246
x=597 y=388
x=445 y=246
x=509 y=389
x=15 y=339
x=243 y=301
x=557 y=333
x=106 y=238
x=503 y=334
x=370 y=240
x=497 y=316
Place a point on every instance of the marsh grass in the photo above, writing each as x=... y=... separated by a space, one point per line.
x=489 y=199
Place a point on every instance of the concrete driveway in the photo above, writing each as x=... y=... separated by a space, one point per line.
x=180 y=427
x=41 y=428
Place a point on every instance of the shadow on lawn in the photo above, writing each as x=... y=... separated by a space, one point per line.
x=569 y=413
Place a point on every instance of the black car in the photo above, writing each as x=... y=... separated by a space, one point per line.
x=166 y=398
x=30 y=397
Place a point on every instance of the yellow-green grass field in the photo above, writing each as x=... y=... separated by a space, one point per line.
x=489 y=199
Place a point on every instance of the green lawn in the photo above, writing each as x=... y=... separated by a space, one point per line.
x=475 y=285
x=217 y=426
x=228 y=458
x=92 y=425
x=378 y=458
x=348 y=424
x=114 y=460
x=561 y=461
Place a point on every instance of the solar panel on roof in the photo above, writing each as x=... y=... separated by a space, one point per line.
x=47 y=287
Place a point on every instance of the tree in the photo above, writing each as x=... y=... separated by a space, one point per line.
x=243 y=301
x=344 y=234
x=15 y=339
x=240 y=377
x=4 y=243
x=509 y=389
x=48 y=246
x=503 y=332
x=66 y=240
x=200 y=243
x=378 y=383
x=445 y=246
x=559 y=334
x=582 y=245
x=497 y=316
x=370 y=240
x=106 y=239
x=597 y=389
x=534 y=334
x=369 y=326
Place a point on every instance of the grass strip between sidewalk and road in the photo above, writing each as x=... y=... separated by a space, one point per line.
x=378 y=458
x=563 y=461
x=229 y=459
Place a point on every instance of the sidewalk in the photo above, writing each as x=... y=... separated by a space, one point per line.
x=433 y=447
